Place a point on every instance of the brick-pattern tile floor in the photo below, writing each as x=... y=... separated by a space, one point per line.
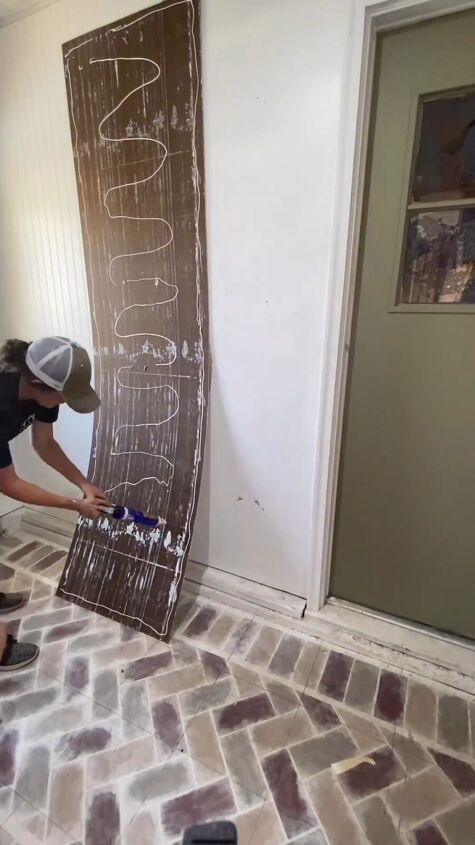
x=114 y=737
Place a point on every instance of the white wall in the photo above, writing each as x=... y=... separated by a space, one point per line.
x=273 y=74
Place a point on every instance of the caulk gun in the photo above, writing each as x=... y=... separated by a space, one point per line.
x=120 y=512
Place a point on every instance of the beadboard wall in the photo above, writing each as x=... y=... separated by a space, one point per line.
x=43 y=285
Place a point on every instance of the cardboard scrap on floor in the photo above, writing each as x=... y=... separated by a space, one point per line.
x=351 y=763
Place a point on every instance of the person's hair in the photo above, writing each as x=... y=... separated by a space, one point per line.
x=13 y=354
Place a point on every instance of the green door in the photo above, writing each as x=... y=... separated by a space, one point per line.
x=405 y=527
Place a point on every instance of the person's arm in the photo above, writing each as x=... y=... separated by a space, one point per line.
x=52 y=454
x=30 y=494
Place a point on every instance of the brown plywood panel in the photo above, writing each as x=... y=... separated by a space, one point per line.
x=134 y=95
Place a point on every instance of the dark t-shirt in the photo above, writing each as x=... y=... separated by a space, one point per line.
x=17 y=414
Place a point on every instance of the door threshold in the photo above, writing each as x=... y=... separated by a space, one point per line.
x=407 y=646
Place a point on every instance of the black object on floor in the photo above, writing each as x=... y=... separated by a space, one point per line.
x=11 y=601
x=215 y=833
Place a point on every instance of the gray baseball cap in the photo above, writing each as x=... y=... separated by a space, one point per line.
x=65 y=366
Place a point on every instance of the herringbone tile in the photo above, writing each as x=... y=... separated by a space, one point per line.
x=115 y=737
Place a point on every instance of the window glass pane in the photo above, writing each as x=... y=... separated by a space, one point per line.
x=445 y=161
x=439 y=261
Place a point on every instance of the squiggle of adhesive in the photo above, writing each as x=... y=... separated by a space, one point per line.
x=180 y=548
x=109 y=192
x=124 y=428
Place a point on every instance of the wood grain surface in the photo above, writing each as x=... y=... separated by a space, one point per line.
x=134 y=95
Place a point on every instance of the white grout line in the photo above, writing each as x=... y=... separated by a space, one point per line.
x=399 y=729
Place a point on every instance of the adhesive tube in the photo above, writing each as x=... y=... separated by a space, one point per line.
x=120 y=512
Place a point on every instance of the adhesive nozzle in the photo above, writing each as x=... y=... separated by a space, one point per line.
x=120 y=512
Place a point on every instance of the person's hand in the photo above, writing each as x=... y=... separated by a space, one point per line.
x=90 y=507
x=91 y=491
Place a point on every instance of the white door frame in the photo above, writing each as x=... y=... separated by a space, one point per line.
x=369 y=17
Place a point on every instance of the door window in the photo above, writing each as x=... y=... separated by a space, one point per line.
x=438 y=257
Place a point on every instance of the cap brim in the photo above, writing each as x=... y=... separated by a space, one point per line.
x=84 y=404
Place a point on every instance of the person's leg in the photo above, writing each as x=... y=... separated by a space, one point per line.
x=3 y=639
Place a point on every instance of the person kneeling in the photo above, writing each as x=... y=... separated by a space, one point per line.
x=35 y=379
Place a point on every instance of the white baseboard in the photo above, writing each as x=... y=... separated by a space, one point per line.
x=11 y=521
x=56 y=529
x=201 y=579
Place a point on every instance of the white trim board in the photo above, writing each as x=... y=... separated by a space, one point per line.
x=200 y=579
x=409 y=648
x=369 y=18
x=11 y=521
